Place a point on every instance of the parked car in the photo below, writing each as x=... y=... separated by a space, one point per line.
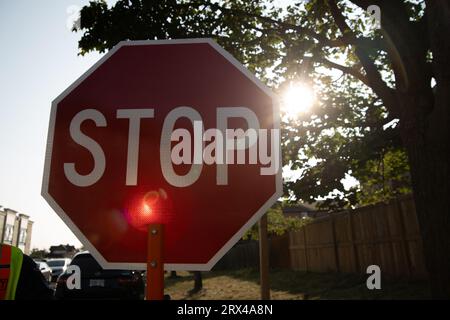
x=45 y=270
x=58 y=266
x=97 y=283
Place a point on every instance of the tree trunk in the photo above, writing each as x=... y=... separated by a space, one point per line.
x=430 y=176
x=427 y=139
x=424 y=131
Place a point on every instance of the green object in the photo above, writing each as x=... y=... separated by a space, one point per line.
x=15 y=267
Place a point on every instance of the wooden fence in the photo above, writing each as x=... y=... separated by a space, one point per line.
x=384 y=234
x=245 y=254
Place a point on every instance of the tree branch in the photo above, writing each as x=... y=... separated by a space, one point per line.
x=373 y=75
x=348 y=70
x=283 y=26
x=406 y=42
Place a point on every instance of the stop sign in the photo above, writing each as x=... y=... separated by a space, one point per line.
x=176 y=132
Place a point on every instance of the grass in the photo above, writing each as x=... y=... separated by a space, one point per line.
x=290 y=285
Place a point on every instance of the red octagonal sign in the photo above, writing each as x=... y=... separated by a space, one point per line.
x=175 y=132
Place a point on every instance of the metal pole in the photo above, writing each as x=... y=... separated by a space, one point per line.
x=264 y=259
x=155 y=262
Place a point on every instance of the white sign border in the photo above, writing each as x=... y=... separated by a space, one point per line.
x=142 y=266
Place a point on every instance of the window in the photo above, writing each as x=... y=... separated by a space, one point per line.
x=9 y=230
x=56 y=263
x=22 y=236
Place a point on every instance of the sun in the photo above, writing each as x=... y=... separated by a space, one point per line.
x=298 y=98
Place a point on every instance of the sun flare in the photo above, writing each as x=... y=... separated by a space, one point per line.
x=298 y=98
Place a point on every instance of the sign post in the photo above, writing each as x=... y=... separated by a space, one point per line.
x=264 y=259
x=155 y=262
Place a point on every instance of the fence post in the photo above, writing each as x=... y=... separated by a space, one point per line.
x=306 y=248
x=390 y=238
x=353 y=241
x=404 y=239
x=335 y=245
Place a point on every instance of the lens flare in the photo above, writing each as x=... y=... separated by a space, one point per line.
x=150 y=207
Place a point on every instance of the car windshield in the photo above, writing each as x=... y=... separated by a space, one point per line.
x=56 y=263
x=86 y=263
x=89 y=266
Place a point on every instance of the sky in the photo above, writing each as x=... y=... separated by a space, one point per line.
x=38 y=60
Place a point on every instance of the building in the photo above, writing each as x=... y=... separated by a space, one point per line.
x=303 y=210
x=62 y=251
x=15 y=229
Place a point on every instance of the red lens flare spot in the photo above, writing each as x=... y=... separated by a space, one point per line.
x=151 y=207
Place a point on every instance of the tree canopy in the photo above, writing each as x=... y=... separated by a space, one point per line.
x=277 y=223
x=345 y=132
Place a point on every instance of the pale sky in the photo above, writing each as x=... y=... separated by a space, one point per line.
x=38 y=60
